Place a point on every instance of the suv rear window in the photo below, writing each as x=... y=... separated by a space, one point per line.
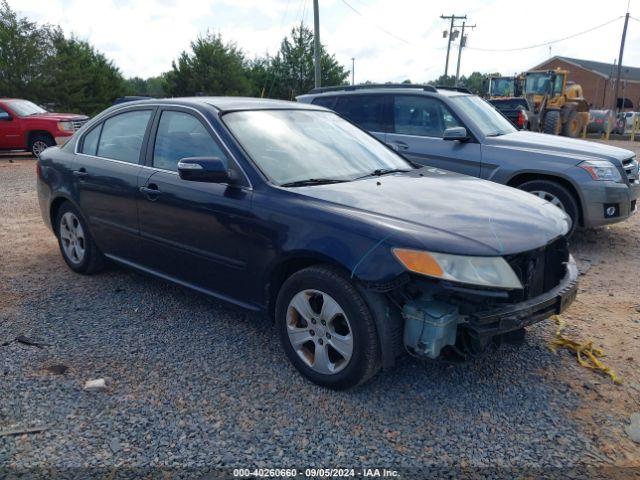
x=367 y=111
x=327 y=102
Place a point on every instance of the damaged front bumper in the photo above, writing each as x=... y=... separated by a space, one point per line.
x=490 y=323
x=435 y=319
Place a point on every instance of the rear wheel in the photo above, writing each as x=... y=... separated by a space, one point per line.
x=326 y=328
x=557 y=195
x=39 y=143
x=572 y=126
x=76 y=243
x=552 y=122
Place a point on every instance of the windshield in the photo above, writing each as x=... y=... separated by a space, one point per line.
x=502 y=87
x=24 y=108
x=485 y=117
x=541 y=83
x=296 y=145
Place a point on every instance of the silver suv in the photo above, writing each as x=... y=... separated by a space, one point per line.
x=452 y=129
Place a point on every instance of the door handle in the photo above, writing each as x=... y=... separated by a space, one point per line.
x=150 y=191
x=401 y=145
x=82 y=173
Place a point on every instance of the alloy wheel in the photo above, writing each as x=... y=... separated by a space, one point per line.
x=319 y=331
x=72 y=238
x=38 y=147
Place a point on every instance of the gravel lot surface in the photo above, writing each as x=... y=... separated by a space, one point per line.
x=197 y=383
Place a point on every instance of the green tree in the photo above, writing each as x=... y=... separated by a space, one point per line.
x=293 y=67
x=213 y=67
x=152 y=86
x=444 y=80
x=80 y=79
x=25 y=47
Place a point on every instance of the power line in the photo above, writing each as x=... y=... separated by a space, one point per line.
x=376 y=25
x=545 y=43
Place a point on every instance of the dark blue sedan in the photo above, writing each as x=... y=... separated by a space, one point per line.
x=286 y=208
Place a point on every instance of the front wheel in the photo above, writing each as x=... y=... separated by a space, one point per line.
x=557 y=195
x=39 y=143
x=326 y=328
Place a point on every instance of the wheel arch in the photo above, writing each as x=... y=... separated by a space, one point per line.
x=286 y=267
x=523 y=177
x=54 y=208
x=33 y=133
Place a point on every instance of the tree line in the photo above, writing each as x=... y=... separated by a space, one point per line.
x=42 y=64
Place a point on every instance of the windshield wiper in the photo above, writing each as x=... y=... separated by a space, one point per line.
x=312 y=181
x=378 y=172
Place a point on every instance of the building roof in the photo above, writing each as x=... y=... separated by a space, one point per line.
x=603 y=69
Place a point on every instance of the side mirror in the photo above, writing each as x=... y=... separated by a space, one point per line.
x=205 y=169
x=456 y=133
x=5 y=117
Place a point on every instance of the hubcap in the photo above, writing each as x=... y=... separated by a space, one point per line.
x=38 y=147
x=72 y=238
x=319 y=331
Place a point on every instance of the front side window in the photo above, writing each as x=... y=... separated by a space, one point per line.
x=366 y=111
x=296 y=145
x=421 y=116
x=181 y=135
x=122 y=136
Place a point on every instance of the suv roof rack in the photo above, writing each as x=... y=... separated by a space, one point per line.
x=455 y=89
x=426 y=88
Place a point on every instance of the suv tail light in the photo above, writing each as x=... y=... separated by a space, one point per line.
x=522 y=118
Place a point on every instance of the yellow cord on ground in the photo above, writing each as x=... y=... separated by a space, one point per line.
x=586 y=354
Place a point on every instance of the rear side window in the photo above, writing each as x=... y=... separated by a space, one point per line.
x=122 y=136
x=90 y=142
x=181 y=135
x=367 y=111
x=421 y=116
x=327 y=102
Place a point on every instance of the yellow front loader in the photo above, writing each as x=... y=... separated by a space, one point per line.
x=559 y=103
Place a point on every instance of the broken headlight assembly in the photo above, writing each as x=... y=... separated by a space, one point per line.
x=601 y=170
x=483 y=271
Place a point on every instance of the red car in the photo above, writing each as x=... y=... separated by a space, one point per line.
x=27 y=126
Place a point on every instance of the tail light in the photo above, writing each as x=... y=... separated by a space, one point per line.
x=522 y=119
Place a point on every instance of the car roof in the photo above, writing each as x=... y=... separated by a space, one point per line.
x=228 y=104
x=413 y=90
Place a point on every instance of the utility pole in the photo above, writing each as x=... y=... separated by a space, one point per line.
x=353 y=71
x=316 y=42
x=463 y=42
x=453 y=18
x=618 y=73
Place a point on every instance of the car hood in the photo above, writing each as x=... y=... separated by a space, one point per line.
x=573 y=149
x=449 y=212
x=58 y=117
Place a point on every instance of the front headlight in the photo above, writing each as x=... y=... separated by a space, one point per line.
x=65 y=126
x=483 y=271
x=601 y=170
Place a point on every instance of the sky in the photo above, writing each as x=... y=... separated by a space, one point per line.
x=391 y=40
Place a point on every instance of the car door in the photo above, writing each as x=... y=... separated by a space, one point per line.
x=418 y=125
x=368 y=111
x=106 y=179
x=11 y=136
x=193 y=232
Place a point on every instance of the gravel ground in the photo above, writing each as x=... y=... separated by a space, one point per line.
x=198 y=383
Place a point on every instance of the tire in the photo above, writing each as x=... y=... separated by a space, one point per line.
x=550 y=190
x=308 y=290
x=551 y=122
x=70 y=227
x=39 y=142
x=572 y=126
